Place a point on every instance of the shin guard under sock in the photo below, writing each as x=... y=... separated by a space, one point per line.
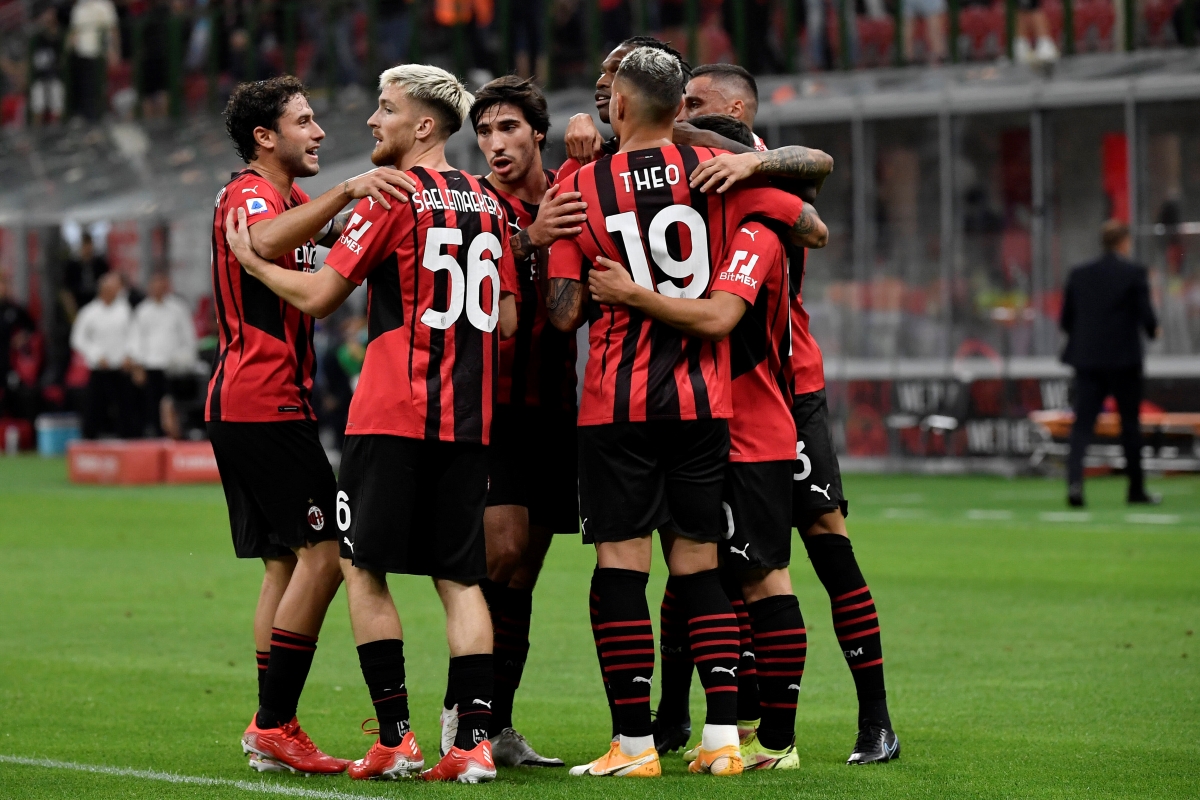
x=748 y=694
x=625 y=643
x=470 y=687
x=781 y=646
x=855 y=621
x=676 y=658
x=714 y=638
x=287 y=669
x=382 y=664
x=510 y=648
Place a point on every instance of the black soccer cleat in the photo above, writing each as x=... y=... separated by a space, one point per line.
x=670 y=736
x=875 y=745
x=1144 y=498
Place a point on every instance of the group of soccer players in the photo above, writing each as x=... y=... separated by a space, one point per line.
x=702 y=415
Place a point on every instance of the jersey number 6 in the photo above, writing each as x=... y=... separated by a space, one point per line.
x=464 y=290
x=695 y=266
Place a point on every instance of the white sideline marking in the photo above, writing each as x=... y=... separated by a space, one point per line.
x=904 y=513
x=1153 y=519
x=1065 y=516
x=171 y=777
x=988 y=513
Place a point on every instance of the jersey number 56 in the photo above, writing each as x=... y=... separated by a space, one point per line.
x=465 y=290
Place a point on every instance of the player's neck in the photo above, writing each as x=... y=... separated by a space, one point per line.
x=530 y=188
x=430 y=155
x=274 y=174
x=647 y=138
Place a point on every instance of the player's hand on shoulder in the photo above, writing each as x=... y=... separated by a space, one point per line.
x=237 y=234
x=583 y=140
x=723 y=171
x=561 y=214
x=611 y=283
x=380 y=182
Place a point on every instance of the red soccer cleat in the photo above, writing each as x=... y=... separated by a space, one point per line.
x=289 y=747
x=465 y=766
x=382 y=763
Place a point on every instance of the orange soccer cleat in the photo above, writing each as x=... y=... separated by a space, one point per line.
x=465 y=766
x=723 y=761
x=616 y=763
x=289 y=747
x=383 y=763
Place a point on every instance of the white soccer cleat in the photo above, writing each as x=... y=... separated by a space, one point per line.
x=449 y=722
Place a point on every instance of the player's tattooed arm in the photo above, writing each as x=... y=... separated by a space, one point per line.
x=560 y=214
x=809 y=230
x=333 y=230
x=317 y=294
x=794 y=163
x=564 y=303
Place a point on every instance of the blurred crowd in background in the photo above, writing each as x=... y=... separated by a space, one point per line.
x=150 y=58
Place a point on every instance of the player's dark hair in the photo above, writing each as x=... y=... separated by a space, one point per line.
x=1112 y=234
x=258 y=104
x=634 y=42
x=729 y=72
x=515 y=91
x=657 y=78
x=731 y=128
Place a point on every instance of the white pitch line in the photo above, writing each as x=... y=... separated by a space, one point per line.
x=171 y=777
x=989 y=514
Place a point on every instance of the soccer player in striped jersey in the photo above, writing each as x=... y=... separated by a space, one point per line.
x=413 y=482
x=725 y=89
x=749 y=303
x=653 y=435
x=532 y=492
x=278 y=484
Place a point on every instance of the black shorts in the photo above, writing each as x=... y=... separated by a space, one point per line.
x=413 y=506
x=278 y=484
x=758 y=515
x=532 y=462
x=637 y=477
x=816 y=480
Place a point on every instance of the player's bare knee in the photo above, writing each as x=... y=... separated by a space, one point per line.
x=763 y=583
x=831 y=522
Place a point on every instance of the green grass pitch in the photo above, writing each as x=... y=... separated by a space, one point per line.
x=1031 y=652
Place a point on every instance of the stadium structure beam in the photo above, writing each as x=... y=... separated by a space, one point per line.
x=948 y=238
x=1132 y=166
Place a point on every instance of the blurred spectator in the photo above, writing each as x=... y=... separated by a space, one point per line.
x=616 y=23
x=395 y=29
x=162 y=346
x=46 y=92
x=101 y=336
x=1033 y=43
x=95 y=44
x=934 y=14
x=340 y=369
x=155 y=72
x=526 y=29
x=17 y=329
x=81 y=276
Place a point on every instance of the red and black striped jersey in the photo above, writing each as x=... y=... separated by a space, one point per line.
x=263 y=371
x=642 y=213
x=756 y=269
x=537 y=364
x=807 y=365
x=435 y=269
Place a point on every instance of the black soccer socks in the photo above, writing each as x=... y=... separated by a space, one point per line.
x=625 y=643
x=471 y=682
x=382 y=664
x=290 y=659
x=510 y=649
x=676 y=658
x=855 y=621
x=714 y=639
x=780 y=646
x=594 y=616
x=747 y=694
x=261 y=658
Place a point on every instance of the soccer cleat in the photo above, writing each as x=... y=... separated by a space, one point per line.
x=670 y=736
x=583 y=768
x=1144 y=498
x=449 y=722
x=875 y=745
x=383 y=763
x=616 y=764
x=465 y=766
x=747 y=728
x=289 y=747
x=724 y=761
x=755 y=756
x=260 y=764
x=510 y=749
x=690 y=754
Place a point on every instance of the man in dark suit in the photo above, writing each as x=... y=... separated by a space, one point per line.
x=1106 y=306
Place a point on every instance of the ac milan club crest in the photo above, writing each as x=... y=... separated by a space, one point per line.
x=316 y=519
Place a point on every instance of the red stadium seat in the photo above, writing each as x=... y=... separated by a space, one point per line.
x=981 y=32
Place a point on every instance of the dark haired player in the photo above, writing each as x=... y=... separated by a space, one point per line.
x=653 y=436
x=532 y=492
x=724 y=89
x=413 y=480
x=278 y=483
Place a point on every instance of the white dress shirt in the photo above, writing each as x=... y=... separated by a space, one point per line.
x=162 y=335
x=101 y=333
